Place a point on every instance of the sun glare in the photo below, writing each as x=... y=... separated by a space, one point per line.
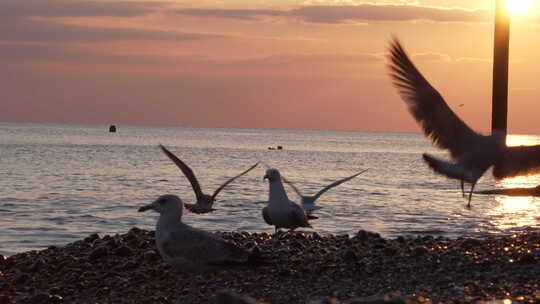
x=514 y=212
x=522 y=140
x=518 y=6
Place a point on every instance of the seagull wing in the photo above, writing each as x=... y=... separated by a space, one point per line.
x=518 y=160
x=298 y=215
x=230 y=180
x=266 y=216
x=292 y=186
x=187 y=172
x=336 y=183
x=428 y=107
x=202 y=247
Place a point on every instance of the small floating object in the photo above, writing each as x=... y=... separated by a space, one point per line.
x=279 y=147
x=112 y=128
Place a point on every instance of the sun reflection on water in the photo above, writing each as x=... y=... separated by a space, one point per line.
x=522 y=140
x=517 y=211
x=518 y=182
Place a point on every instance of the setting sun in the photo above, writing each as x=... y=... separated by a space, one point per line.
x=518 y=6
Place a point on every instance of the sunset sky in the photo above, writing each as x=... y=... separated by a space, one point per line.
x=256 y=63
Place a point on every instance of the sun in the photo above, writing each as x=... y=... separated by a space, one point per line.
x=518 y=6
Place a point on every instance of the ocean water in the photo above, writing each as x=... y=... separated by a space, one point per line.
x=60 y=182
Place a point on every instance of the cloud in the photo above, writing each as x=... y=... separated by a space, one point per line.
x=18 y=21
x=60 y=54
x=286 y=60
x=369 y=12
x=468 y=60
x=243 y=14
x=76 y=8
x=335 y=14
x=35 y=21
x=279 y=64
x=438 y=57
x=14 y=29
x=432 y=57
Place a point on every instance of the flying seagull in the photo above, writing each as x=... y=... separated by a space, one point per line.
x=472 y=153
x=308 y=202
x=190 y=249
x=204 y=201
x=280 y=211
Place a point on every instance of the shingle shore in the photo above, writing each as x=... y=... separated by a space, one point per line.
x=306 y=268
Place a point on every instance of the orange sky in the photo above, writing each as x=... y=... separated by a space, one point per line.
x=267 y=64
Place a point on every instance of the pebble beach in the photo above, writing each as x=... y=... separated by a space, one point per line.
x=300 y=268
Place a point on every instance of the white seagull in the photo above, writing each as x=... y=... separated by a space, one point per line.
x=204 y=201
x=282 y=212
x=308 y=202
x=472 y=153
x=190 y=249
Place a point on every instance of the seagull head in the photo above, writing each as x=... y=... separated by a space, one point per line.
x=165 y=204
x=272 y=175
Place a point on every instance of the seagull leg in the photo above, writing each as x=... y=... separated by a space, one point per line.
x=470 y=195
x=462 y=188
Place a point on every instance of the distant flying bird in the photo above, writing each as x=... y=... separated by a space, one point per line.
x=280 y=211
x=308 y=202
x=190 y=249
x=204 y=201
x=471 y=152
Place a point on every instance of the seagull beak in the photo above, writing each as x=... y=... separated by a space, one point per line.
x=147 y=207
x=266 y=177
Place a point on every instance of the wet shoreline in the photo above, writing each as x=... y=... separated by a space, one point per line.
x=306 y=268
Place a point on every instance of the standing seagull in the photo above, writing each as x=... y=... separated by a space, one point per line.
x=471 y=152
x=204 y=201
x=308 y=202
x=190 y=249
x=282 y=212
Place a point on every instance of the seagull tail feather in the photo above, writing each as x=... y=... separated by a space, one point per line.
x=448 y=169
x=311 y=217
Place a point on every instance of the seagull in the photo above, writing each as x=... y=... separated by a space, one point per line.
x=282 y=212
x=472 y=153
x=308 y=202
x=204 y=201
x=190 y=249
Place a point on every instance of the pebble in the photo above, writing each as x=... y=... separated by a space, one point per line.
x=123 y=251
x=304 y=266
x=98 y=253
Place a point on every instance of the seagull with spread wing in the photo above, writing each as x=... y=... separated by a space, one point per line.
x=472 y=153
x=204 y=201
x=308 y=202
x=280 y=211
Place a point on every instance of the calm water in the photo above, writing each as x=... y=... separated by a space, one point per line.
x=60 y=183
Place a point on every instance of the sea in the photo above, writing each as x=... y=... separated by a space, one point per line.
x=61 y=182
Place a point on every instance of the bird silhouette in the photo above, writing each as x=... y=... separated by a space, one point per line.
x=472 y=153
x=204 y=201
x=308 y=201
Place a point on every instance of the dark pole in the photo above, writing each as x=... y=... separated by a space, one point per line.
x=500 y=68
